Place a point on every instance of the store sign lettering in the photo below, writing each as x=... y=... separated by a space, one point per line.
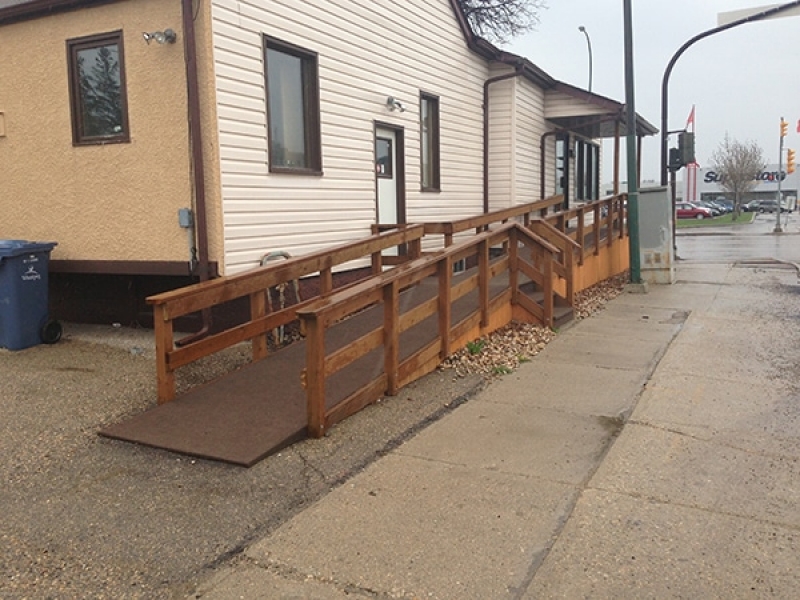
x=713 y=177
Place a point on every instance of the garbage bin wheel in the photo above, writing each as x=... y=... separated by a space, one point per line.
x=51 y=332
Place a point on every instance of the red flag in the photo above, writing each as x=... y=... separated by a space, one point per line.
x=690 y=120
x=798 y=125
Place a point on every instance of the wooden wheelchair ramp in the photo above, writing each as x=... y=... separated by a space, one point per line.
x=260 y=408
x=364 y=340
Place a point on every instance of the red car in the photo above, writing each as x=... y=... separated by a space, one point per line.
x=687 y=210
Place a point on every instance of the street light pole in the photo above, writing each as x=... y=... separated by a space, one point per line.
x=630 y=143
x=582 y=29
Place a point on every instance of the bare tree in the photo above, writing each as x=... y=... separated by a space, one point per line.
x=738 y=164
x=500 y=20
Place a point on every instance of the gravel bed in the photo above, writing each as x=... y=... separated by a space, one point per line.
x=502 y=351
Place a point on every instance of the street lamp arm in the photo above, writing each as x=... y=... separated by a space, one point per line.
x=582 y=29
x=665 y=81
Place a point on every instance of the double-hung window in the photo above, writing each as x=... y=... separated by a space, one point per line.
x=97 y=89
x=292 y=108
x=429 y=136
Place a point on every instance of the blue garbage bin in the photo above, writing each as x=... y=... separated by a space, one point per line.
x=24 y=296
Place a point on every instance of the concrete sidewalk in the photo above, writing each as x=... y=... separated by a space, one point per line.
x=651 y=450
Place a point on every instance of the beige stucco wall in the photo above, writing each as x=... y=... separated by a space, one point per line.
x=112 y=202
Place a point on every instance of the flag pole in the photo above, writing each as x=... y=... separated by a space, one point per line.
x=691 y=168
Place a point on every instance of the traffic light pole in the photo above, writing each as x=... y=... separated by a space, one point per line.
x=770 y=12
x=630 y=147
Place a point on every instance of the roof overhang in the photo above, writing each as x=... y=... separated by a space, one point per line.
x=18 y=10
x=590 y=115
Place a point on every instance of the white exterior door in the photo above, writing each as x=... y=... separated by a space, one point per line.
x=386 y=175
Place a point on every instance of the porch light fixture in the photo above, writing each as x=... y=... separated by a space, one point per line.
x=393 y=104
x=168 y=36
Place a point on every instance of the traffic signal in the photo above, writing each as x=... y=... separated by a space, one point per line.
x=675 y=163
x=789 y=160
x=686 y=147
x=784 y=127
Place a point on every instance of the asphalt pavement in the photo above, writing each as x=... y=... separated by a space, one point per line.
x=650 y=451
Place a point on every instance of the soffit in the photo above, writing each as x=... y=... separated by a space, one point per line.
x=590 y=115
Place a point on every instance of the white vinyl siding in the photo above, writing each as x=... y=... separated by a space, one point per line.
x=501 y=139
x=527 y=150
x=516 y=126
x=366 y=51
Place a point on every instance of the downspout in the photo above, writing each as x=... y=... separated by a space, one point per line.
x=196 y=144
x=517 y=72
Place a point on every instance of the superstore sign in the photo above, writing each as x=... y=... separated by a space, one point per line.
x=713 y=177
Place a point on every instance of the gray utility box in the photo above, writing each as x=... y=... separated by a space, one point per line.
x=656 y=242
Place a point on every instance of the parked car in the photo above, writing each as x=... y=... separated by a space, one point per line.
x=687 y=210
x=715 y=210
x=722 y=205
x=726 y=204
x=762 y=206
x=751 y=206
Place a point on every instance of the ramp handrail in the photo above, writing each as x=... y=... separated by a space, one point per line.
x=566 y=258
x=489 y=314
x=609 y=222
x=255 y=283
x=552 y=230
x=609 y=215
x=523 y=212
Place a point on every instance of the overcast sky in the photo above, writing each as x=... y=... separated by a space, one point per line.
x=742 y=81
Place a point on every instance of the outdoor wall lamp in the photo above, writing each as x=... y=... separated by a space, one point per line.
x=393 y=104
x=168 y=36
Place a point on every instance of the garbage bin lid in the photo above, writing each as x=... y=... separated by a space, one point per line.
x=11 y=248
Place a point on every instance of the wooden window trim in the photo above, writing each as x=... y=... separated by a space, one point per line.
x=311 y=108
x=435 y=149
x=83 y=43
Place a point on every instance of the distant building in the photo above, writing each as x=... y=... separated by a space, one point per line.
x=709 y=188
